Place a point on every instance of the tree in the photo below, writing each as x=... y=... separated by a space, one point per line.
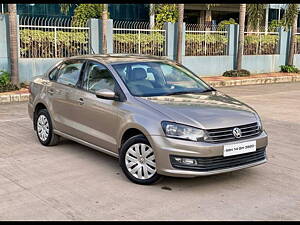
x=13 y=43
x=208 y=12
x=83 y=12
x=165 y=13
x=65 y=8
x=242 y=16
x=291 y=18
x=255 y=15
x=180 y=32
x=152 y=15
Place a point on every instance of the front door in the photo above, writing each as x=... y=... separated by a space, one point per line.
x=98 y=117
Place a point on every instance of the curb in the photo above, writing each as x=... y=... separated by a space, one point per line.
x=10 y=98
x=24 y=97
x=254 y=81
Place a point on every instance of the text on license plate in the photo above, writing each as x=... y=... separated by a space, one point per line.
x=240 y=148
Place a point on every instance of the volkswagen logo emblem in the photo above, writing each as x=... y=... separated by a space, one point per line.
x=237 y=132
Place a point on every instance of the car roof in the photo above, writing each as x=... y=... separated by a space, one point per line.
x=121 y=58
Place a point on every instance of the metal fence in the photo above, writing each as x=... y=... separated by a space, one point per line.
x=130 y=37
x=205 y=40
x=52 y=37
x=261 y=43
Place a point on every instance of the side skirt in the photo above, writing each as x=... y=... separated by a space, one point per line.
x=80 y=141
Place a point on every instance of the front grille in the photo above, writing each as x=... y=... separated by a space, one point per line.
x=225 y=134
x=205 y=164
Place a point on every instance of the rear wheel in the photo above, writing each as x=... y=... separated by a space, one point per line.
x=137 y=160
x=44 y=129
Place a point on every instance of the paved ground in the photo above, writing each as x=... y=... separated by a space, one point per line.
x=73 y=182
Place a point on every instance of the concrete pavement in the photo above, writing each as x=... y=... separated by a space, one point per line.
x=74 y=182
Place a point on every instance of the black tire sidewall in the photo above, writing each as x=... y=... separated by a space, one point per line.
x=131 y=141
x=47 y=115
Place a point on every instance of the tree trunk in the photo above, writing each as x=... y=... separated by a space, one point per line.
x=13 y=43
x=293 y=41
x=208 y=17
x=180 y=32
x=267 y=19
x=152 y=16
x=208 y=20
x=241 y=36
x=104 y=28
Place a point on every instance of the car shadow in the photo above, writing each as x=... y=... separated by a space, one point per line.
x=166 y=183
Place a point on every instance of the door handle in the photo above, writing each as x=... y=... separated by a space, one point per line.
x=51 y=91
x=80 y=101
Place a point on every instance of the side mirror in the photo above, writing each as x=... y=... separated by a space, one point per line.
x=106 y=94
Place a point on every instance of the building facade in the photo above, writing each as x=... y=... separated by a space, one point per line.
x=128 y=12
x=193 y=13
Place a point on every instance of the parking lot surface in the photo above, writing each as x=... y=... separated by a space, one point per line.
x=73 y=182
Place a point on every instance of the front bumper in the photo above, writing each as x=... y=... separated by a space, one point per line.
x=165 y=147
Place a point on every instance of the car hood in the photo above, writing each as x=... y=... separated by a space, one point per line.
x=205 y=110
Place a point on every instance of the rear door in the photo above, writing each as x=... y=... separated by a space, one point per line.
x=62 y=91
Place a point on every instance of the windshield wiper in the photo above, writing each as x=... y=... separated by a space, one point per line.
x=187 y=92
x=208 y=90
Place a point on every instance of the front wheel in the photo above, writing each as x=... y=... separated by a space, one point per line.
x=137 y=160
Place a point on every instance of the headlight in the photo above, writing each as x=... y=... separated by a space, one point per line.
x=260 y=126
x=175 y=130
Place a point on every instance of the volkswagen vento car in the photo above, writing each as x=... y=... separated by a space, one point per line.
x=154 y=114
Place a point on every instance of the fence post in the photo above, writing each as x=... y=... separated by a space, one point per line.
x=170 y=29
x=95 y=35
x=139 y=41
x=284 y=42
x=233 y=32
x=171 y=38
x=176 y=39
x=110 y=36
x=4 y=46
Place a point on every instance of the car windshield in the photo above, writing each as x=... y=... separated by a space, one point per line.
x=145 y=79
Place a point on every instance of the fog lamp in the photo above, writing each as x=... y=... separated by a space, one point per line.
x=185 y=161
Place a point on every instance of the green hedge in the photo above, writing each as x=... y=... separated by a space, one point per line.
x=236 y=73
x=41 y=44
x=269 y=44
x=216 y=44
x=5 y=84
x=152 y=43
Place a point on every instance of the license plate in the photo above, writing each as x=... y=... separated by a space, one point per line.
x=240 y=148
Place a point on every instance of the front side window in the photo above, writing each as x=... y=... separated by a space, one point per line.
x=69 y=74
x=98 y=77
x=158 y=79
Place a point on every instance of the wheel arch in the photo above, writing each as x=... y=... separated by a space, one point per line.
x=129 y=131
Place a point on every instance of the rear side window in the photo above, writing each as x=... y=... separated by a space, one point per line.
x=69 y=74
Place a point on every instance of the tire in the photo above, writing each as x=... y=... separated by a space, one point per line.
x=138 y=168
x=43 y=122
